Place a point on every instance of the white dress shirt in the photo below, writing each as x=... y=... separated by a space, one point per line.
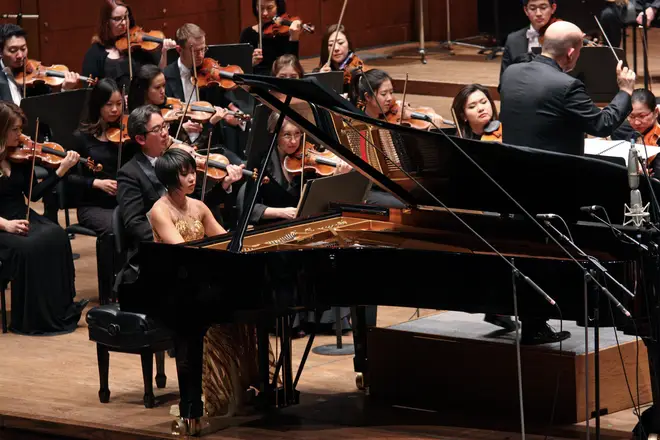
x=532 y=38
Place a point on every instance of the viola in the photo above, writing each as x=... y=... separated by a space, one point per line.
x=652 y=137
x=198 y=111
x=48 y=153
x=353 y=64
x=322 y=163
x=36 y=73
x=147 y=41
x=209 y=74
x=281 y=25
x=118 y=135
x=217 y=169
x=492 y=132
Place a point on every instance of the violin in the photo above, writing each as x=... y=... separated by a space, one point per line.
x=281 y=25
x=492 y=132
x=36 y=73
x=48 y=153
x=198 y=111
x=393 y=116
x=209 y=74
x=118 y=134
x=322 y=163
x=652 y=137
x=147 y=41
x=353 y=64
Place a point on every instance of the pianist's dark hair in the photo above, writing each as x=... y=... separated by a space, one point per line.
x=359 y=87
x=137 y=92
x=92 y=122
x=645 y=97
x=139 y=118
x=173 y=163
x=459 y=107
x=281 y=7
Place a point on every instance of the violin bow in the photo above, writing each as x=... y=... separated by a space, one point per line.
x=261 y=31
x=128 y=39
x=403 y=103
x=303 y=139
x=341 y=18
x=121 y=125
x=24 y=77
x=458 y=127
x=34 y=159
x=185 y=112
x=192 y=53
x=206 y=166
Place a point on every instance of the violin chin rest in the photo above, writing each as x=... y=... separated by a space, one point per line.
x=492 y=126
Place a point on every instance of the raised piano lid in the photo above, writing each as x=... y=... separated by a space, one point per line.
x=541 y=181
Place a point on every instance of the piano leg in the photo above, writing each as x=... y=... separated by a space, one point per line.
x=361 y=360
x=650 y=420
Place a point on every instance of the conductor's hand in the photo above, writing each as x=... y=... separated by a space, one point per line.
x=625 y=78
x=67 y=163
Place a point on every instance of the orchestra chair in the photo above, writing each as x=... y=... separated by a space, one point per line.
x=3 y=300
x=105 y=257
x=124 y=332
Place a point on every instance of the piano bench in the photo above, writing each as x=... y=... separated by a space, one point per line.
x=124 y=332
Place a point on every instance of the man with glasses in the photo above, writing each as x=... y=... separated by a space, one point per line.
x=525 y=40
x=138 y=188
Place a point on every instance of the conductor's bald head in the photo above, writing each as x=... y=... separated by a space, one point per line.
x=562 y=42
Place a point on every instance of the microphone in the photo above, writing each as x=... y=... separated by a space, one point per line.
x=420 y=116
x=590 y=209
x=636 y=212
x=546 y=216
x=226 y=75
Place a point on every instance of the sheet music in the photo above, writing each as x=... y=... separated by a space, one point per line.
x=602 y=147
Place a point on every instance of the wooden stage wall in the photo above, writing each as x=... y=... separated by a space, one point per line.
x=64 y=29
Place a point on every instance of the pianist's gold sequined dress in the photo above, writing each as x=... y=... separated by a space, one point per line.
x=230 y=350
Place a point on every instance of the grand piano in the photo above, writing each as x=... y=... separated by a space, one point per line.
x=421 y=256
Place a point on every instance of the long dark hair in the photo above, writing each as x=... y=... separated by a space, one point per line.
x=459 y=107
x=325 y=52
x=281 y=7
x=103 y=34
x=92 y=122
x=362 y=83
x=140 y=85
x=9 y=113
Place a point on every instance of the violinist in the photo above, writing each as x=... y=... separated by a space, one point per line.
x=14 y=56
x=476 y=114
x=138 y=188
x=98 y=193
x=36 y=253
x=278 y=199
x=273 y=46
x=383 y=105
x=344 y=58
x=179 y=78
x=540 y=14
x=104 y=60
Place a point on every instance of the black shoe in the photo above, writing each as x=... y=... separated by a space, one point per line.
x=542 y=335
x=505 y=322
x=80 y=305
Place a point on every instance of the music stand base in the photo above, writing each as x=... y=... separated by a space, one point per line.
x=333 y=350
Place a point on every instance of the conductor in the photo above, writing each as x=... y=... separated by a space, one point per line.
x=555 y=107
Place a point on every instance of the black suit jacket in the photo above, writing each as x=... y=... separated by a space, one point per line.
x=515 y=46
x=545 y=108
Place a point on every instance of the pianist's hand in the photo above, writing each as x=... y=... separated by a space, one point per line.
x=285 y=213
x=19 y=227
x=234 y=174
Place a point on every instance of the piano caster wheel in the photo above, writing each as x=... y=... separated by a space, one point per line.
x=359 y=382
x=186 y=427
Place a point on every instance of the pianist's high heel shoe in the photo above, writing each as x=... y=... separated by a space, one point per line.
x=186 y=427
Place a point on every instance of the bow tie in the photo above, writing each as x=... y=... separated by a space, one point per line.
x=532 y=34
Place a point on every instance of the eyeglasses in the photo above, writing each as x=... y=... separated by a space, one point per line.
x=289 y=137
x=201 y=50
x=159 y=128
x=541 y=8
x=639 y=117
x=118 y=19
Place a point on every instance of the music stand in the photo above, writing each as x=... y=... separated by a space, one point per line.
x=589 y=69
x=319 y=193
x=333 y=80
x=61 y=112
